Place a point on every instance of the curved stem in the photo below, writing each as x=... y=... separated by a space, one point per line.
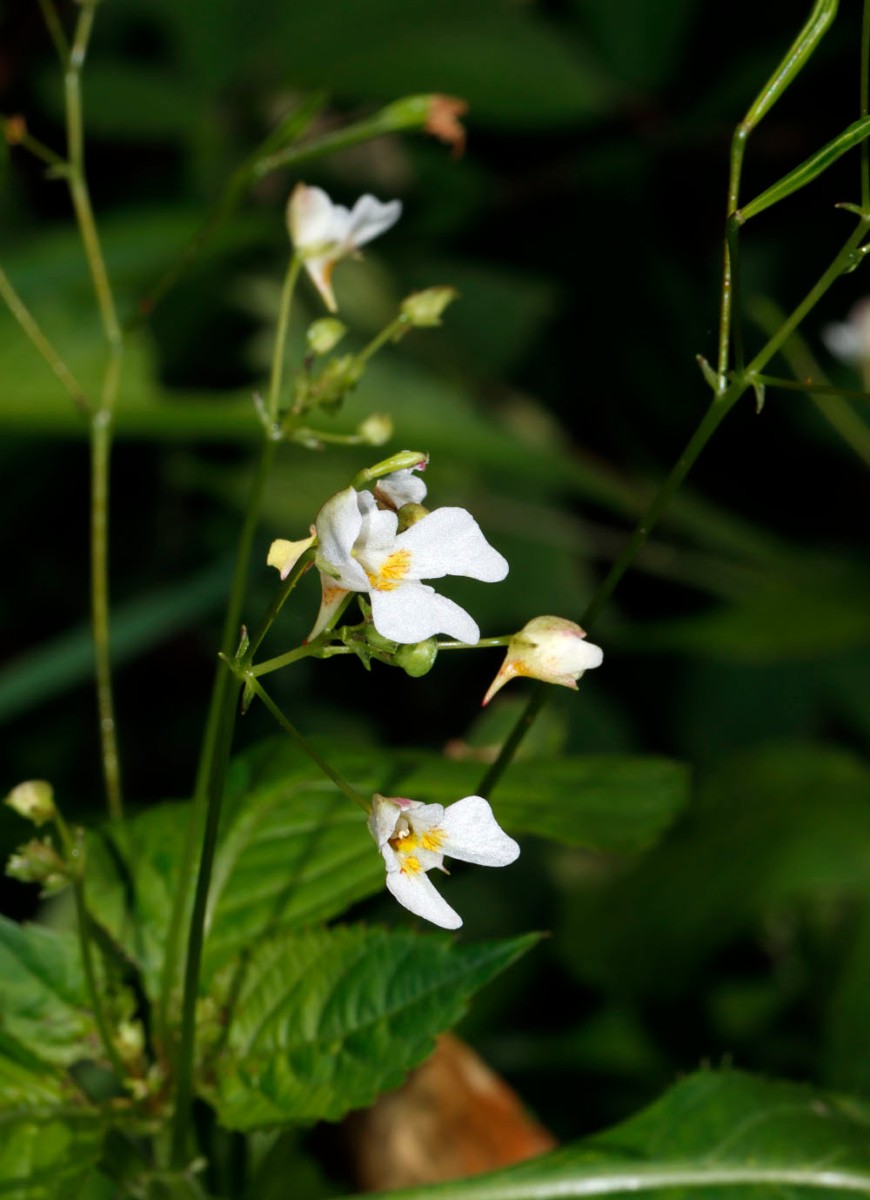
x=31 y=329
x=303 y=743
x=716 y=413
x=281 y=336
x=101 y=423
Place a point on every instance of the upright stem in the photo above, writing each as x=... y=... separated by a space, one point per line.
x=865 y=105
x=223 y=693
x=720 y=406
x=221 y=742
x=83 y=922
x=281 y=337
x=102 y=418
x=729 y=265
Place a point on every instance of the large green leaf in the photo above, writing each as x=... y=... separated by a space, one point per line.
x=47 y=1155
x=25 y=1080
x=326 y=1020
x=711 y=1137
x=771 y=828
x=43 y=1001
x=602 y=802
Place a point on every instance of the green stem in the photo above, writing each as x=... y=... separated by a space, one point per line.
x=101 y=423
x=399 y=325
x=719 y=408
x=213 y=794
x=20 y=136
x=738 y=150
x=483 y=644
x=283 y=660
x=865 y=105
x=303 y=743
x=83 y=921
x=32 y=330
x=280 y=600
x=222 y=691
x=55 y=30
x=281 y=337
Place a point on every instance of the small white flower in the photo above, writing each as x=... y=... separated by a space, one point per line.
x=324 y=233
x=547 y=648
x=414 y=838
x=849 y=340
x=401 y=487
x=360 y=550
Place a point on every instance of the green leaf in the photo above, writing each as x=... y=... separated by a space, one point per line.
x=324 y=1021
x=602 y=802
x=47 y=1155
x=44 y=1003
x=770 y=829
x=25 y=1080
x=808 y=170
x=712 y=1136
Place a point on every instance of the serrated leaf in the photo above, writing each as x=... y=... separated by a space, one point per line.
x=326 y=1020
x=711 y=1137
x=25 y=1080
x=47 y=1155
x=44 y=1002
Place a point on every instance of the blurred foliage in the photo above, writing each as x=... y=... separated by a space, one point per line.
x=583 y=229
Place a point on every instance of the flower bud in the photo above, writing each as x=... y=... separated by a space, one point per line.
x=426 y=307
x=339 y=376
x=417 y=658
x=410 y=514
x=33 y=800
x=376 y=429
x=39 y=862
x=284 y=555
x=402 y=461
x=325 y=334
x=547 y=648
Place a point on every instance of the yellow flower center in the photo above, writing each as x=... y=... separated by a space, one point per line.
x=391 y=572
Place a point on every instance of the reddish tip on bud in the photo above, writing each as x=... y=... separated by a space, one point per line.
x=442 y=121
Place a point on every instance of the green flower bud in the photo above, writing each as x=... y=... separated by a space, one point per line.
x=325 y=334
x=339 y=376
x=33 y=800
x=376 y=429
x=417 y=659
x=39 y=862
x=410 y=514
x=404 y=460
x=425 y=308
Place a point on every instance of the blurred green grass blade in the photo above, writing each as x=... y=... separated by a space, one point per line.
x=713 y=1134
x=137 y=626
x=810 y=169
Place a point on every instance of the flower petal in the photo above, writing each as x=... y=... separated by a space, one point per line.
x=315 y=222
x=473 y=835
x=418 y=894
x=331 y=597
x=338 y=524
x=414 y=611
x=369 y=218
x=401 y=487
x=449 y=541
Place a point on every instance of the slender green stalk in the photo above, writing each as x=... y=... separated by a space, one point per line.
x=283 y=660
x=101 y=421
x=278 y=603
x=32 y=330
x=731 y=250
x=396 y=327
x=721 y=405
x=223 y=692
x=217 y=767
x=55 y=30
x=281 y=337
x=17 y=134
x=865 y=105
x=303 y=743
x=811 y=387
x=83 y=921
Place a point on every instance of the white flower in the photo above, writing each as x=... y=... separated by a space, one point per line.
x=415 y=838
x=361 y=551
x=849 y=340
x=324 y=233
x=547 y=648
x=401 y=487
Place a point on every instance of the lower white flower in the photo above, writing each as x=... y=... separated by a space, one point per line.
x=361 y=551
x=415 y=838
